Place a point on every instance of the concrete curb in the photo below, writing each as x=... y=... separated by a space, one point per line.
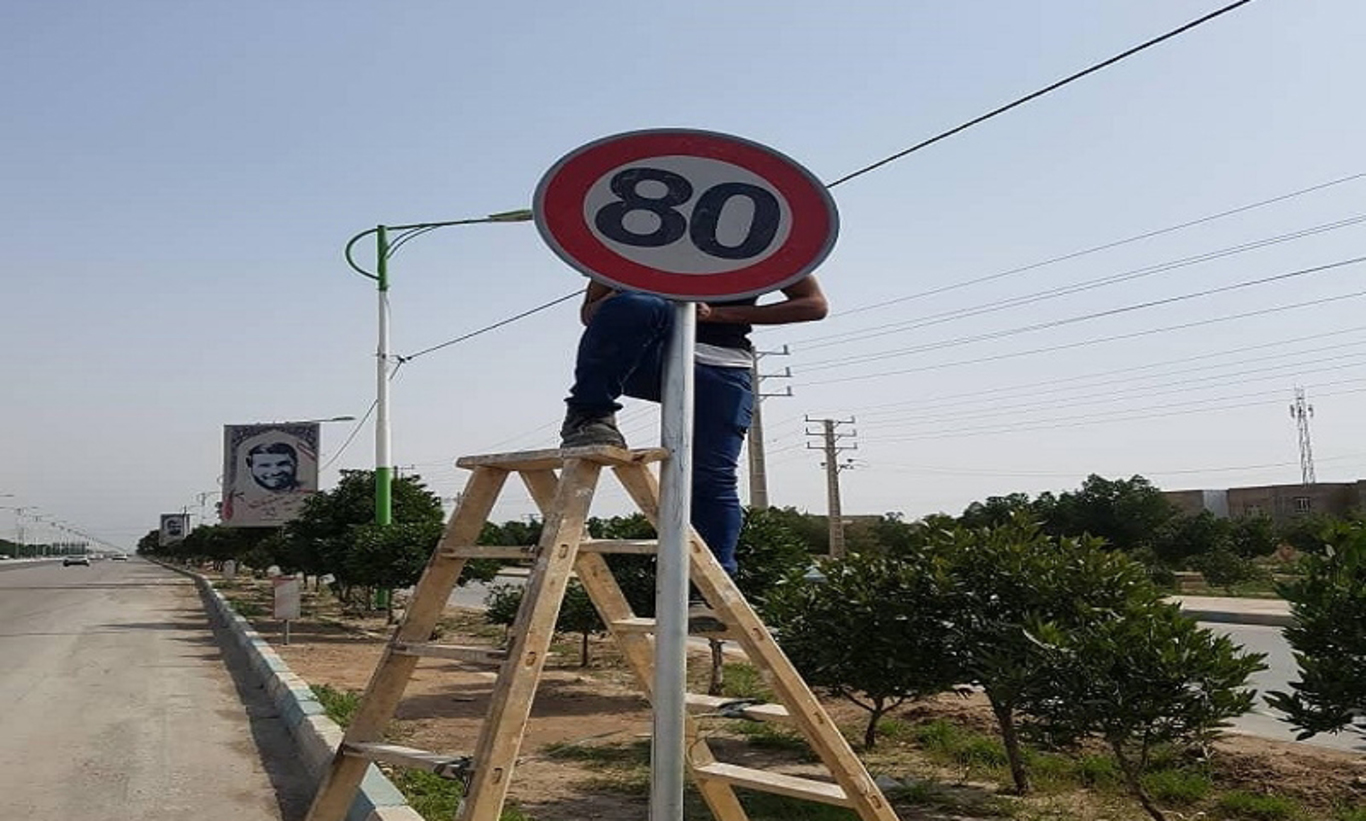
x=316 y=735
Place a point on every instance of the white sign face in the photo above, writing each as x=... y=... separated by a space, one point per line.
x=691 y=215
x=288 y=597
x=174 y=528
x=686 y=214
x=268 y=472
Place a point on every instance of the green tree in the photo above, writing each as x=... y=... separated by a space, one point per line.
x=874 y=632
x=334 y=524
x=1328 y=602
x=1254 y=536
x=1144 y=676
x=997 y=510
x=577 y=613
x=1185 y=536
x=1008 y=580
x=1310 y=532
x=1126 y=513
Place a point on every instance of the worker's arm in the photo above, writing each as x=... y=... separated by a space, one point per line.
x=805 y=303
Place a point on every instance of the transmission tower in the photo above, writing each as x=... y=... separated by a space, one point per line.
x=830 y=436
x=1302 y=412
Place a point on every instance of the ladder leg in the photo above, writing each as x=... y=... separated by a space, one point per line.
x=807 y=713
x=638 y=650
x=391 y=675
x=500 y=737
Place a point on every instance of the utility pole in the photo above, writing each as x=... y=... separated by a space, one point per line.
x=758 y=473
x=1302 y=412
x=830 y=436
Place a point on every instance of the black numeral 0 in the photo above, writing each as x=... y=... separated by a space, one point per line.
x=763 y=227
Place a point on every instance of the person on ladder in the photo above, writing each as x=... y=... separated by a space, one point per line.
x=621 y=353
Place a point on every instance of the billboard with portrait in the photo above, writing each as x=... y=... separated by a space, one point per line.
x=268 y=472
x=174 y=528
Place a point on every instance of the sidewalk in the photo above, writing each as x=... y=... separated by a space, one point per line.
x=1229 y=610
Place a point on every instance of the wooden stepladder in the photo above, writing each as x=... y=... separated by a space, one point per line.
x=564 y=498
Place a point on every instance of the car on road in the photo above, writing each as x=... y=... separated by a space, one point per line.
x=70 y=560
x=118 y=557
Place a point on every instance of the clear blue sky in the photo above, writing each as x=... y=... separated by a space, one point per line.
x=179 y=180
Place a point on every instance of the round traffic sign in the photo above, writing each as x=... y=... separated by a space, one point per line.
x=686 y=214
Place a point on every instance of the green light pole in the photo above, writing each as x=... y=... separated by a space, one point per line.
x=384 y=471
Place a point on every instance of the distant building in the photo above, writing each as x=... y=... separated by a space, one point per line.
x=1280 y=502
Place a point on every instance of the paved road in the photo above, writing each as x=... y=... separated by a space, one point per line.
x=118 y=703
x=1281 y=670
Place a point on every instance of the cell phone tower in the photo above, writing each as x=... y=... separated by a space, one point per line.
x=1302 y=412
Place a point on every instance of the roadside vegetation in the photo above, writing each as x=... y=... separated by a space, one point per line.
x=1091 y=696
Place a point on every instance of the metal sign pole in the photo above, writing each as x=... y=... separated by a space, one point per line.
x=671 y=591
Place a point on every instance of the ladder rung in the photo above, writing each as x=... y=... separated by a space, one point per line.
x=483 y=551
x=488 y=551
x=550 y=459
x=479 y=655
x=446 y=766
x=765 y=781
x=753 y=712
x=639 y=624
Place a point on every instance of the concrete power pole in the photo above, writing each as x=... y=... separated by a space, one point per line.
x=758 y=473
x=1302 y=412
x=830 y=436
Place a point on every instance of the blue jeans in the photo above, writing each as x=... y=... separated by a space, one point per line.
x=621 y=353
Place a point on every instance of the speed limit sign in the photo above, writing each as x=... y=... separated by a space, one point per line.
x=689 y=215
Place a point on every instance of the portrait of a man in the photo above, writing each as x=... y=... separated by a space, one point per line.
x=274 y=466
x=269 y=471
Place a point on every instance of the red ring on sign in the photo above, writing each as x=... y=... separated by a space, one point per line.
x=559 y=209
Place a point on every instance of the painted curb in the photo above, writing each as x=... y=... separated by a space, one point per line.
x=316 y=735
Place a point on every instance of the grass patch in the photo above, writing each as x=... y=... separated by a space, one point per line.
x=743 y=681
x=432 y=796
x=1350 y=814
x=1179 y=787
x=339 y=705
x=1241 y=804
x=950 y=743
x=246 y=609
x=625 y=755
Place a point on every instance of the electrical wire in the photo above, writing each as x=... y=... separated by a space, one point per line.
x=1091 y=250
x=487 y=328
x=846 y=337
x=1041 y=92
x=1169 y=409
x=1088 y=342
x=1058 y=385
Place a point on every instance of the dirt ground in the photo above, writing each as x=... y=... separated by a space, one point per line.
x=445 y=704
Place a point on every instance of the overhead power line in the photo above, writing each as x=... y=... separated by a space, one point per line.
x=1041 y=92
x=1137 y=414
x=1093 y=341
x=1099 y=378
x=1092 y=250
x=500 y=323
x=846 y=337
x=1072 y=320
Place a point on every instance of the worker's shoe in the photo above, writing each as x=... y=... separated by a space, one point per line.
x=583 y=429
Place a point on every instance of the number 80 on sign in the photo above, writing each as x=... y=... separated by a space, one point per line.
x=690 y=215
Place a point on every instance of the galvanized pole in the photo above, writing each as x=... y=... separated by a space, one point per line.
x=383 y=460
x=671 y=593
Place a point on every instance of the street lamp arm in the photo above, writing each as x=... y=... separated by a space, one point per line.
x=349 y=261
x=416 y=228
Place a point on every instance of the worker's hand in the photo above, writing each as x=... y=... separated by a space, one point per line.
x=704 y=312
